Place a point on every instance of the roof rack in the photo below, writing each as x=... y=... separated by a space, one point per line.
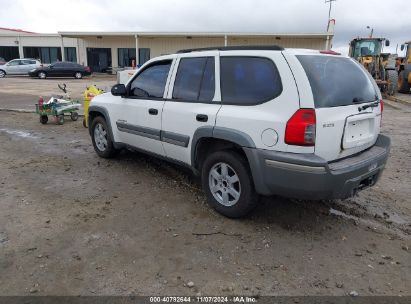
x=235 y=48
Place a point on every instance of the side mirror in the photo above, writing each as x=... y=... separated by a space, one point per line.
x=402 y=47
x=387 y=43
x=118 y=90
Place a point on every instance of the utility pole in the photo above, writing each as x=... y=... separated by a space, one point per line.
x=329 y=12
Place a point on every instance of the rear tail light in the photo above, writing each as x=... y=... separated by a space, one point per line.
x=300 y=130
x=87 y=69
x=382 y=110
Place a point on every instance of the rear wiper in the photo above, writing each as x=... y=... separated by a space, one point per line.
x=371 y=105
x=357 y=100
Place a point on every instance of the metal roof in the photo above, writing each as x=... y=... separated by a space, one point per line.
x=196 y=34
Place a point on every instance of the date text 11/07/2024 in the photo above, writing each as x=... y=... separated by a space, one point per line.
x=203 y=299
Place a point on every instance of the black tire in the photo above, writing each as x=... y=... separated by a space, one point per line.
x=60 y=119
x=74 y=116
x=44 y=119
x=392 y=82
x=248 y=198
x=2 y=74
x=42 y=75
x=78 y=75
x=109 y=150
x=403 y=84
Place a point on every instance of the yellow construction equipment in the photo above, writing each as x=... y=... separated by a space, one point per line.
x=368 y=52
x=403 y=65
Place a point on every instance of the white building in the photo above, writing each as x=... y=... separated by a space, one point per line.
x=101 y=50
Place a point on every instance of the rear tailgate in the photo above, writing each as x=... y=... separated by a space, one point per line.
x=346 y=102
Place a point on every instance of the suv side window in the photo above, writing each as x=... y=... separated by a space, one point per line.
x=14 y=62
x=249 y=80
x=195 y=80
x=29 y=62
x=151 y=81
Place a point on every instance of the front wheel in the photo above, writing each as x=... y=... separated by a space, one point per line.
x=227 y=182
x=42 y=75
x=2 y=73
x=102 y=141
x=44 y=119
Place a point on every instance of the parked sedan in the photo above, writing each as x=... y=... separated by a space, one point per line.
x=19 y=66
x=61 y=69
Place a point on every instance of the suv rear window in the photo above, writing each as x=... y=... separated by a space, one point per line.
x=337 y=81
x=249 y=80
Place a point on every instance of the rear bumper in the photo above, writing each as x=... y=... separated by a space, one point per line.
x=307 y=176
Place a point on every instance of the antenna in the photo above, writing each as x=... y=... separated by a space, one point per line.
x=329 y=12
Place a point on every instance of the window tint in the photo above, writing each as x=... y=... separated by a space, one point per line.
x=336 y=81
x=208 y=83
x=195 y=79
x=14 y=62
x=29 y=62
x=249 y=80
x=151 y=81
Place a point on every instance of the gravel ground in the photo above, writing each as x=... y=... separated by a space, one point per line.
x=74 y=224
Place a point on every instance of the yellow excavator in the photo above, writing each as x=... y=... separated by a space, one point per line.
x=403 y=66
x=368 y=52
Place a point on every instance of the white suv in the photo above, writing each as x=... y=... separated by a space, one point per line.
x=251 y=121
x=19 y=67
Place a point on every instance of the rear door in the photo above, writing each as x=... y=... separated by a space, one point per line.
x=192 y=103
x=27 y=66
x=346 y=101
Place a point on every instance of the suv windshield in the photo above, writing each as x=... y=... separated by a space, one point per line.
x=337 y=81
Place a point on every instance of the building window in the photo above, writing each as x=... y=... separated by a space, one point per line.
x=9 y=52
x=70 y=54
x=44 y=54
x=126 y=56
x=143 y=55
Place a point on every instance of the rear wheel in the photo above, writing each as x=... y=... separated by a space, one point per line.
x=392 y=82
x=226 y=180
x=78 y=75
x=403 y=85
x=42 y=75
x=2 y=73
x=102 y=141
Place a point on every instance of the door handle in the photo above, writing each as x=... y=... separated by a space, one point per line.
x=152 y=111
x=202 y=117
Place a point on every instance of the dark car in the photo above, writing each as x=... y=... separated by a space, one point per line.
x=61 y=69
x=2 y=60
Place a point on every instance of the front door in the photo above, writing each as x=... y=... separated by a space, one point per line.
x=13 y=67
x=138 y=117
x=193 y=103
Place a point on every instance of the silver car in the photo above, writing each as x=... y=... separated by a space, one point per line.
x=19 y=66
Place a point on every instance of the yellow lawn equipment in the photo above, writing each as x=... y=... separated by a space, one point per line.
x=88 y=95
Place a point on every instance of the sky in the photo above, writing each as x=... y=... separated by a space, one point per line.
x=389 y=19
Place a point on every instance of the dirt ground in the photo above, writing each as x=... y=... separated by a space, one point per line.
x=75 y=224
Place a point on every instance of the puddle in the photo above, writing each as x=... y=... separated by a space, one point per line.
x=18 y=133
